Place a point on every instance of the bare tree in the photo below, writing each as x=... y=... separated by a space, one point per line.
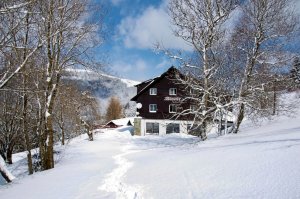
x=295 y=72
x=13 y=14
x=201 y=24
x=262 y=31
x=5 y=172
x=10 y=129
x=38 y=41
x=75 y=109
x=68 y=37
x=65 y=113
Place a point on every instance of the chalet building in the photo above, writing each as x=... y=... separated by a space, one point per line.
x=158 y=101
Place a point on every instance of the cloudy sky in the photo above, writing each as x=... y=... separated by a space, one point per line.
x=135 y=26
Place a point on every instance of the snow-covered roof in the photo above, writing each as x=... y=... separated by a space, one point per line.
x=122 y=121
x=150 y=82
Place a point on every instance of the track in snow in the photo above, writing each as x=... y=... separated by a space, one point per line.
x=114 y=181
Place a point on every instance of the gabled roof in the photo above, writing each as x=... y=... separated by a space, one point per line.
x=153 y=81
x=122 y=122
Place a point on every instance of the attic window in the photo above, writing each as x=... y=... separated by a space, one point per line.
x=172 y=91
x=153 y=91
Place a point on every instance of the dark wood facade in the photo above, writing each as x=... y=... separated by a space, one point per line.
x=162 y=99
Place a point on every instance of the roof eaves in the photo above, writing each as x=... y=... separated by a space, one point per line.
x=151 y=83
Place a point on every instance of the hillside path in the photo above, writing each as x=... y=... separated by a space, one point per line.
x=80 y=174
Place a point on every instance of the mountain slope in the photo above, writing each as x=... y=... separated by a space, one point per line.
x=104 y=86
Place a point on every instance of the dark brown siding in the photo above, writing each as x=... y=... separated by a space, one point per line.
x=141 y=86
x=163 y=85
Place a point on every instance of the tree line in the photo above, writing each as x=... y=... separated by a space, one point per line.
x=39 y=39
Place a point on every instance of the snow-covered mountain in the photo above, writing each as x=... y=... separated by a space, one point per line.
x=104 y=86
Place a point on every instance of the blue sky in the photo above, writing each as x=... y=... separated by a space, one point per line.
x=134 y=26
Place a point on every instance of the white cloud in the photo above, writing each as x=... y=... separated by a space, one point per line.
x=116 y=2
x=164 y=63
x=140 y=69
x=148 y=28
x=123 y=67
x=140 y=65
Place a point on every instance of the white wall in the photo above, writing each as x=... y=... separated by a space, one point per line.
x=163 y=125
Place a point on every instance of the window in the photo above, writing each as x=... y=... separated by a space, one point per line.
x=152 y=108
x=172 y=128
x=153 y=91
x=192 y=91
x=193 y=108
x=152 y=128
x=172 y=108
x=172 y=91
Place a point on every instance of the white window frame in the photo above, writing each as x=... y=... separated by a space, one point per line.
x=170 y=108
x=153 y=91
x=171 y=91
x=151 y=106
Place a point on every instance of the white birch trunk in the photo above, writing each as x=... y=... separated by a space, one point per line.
x=7 y=175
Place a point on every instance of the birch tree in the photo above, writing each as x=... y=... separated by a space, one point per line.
x=5 y=172
x=264 y=27
x=75 y=112
x=201 y=24
x=12 y=16
x=10 y=129
x=295 y=72
x=68 y=37
x=38 y=41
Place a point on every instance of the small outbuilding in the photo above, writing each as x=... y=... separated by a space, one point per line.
x=120 y=122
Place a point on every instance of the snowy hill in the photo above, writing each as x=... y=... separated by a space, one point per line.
x=85 y=74
x=259 y=162
x=103 y=86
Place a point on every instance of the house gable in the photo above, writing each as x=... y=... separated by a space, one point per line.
x=151 y=83
x=169 y=95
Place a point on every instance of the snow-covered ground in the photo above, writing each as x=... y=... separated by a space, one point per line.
x=260 y=162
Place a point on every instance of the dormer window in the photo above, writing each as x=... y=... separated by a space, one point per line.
x=153 y=91
x=172 y=91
